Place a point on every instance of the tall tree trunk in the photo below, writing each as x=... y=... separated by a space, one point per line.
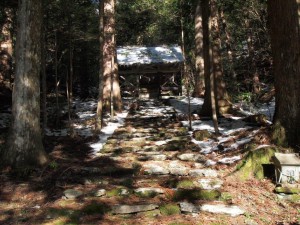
x=222 y=102
x=44 y=74
x=285 y=35
x=98 y=124
x=199 y=78
x=206 y=108
x=24 y=146
x=110 y=76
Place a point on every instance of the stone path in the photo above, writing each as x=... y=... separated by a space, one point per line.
x=155 y=165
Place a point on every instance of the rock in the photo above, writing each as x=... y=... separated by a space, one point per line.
x=188 y=157
x=187 y=207
x=156 y=169
x=126 y=209
x=250 y=222
x=149 y=189
x=124 y=191
x=100 y=193
x=210 y=184
x=231 y=210
x=203 y=173
x=177 y=169
x=72 y=194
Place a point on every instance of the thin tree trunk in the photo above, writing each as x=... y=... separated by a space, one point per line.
x=44 y=75
x=24 y=145
x=199 y=78
x=101 y=41
x=206 y=108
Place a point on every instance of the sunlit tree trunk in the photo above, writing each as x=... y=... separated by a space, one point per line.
x=111 y=88
x=284 y=19
x=24 y=146
x=222 y=103
x=199 y=77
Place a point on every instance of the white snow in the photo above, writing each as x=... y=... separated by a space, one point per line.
x=107 y=131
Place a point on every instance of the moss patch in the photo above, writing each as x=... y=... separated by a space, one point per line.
x=185 y=184
x=169 y=209
x=196 y=194
x=95 y=208
x=287 y=190
x=279 y=135
x=175 y=145
x=253 y=163
x=201 y=135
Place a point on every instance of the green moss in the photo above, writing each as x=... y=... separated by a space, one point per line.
x=114 y=192
x=71 y=216
x=201 y=135
x=287 y=190
x=95 y=208
x=181 y=131
x=185 y=184
x=169 y=209
x=151 y=214
x=252 y=165
x=108 y=148
x=279 y=135
x=175 y=145
x=295 y=198
x=225 y=196
x=196 y=194
x=146 y=194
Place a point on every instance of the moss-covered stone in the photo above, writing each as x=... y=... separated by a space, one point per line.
x=252 y=165
x=185 y=184
x=201 y=135
x=181 y=131
x=169 y=209
x=151 y=214
x=287 y=190
x=175 y=145
x=196 y=194
x=146 y=194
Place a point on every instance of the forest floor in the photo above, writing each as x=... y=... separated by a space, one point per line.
x=146 y=167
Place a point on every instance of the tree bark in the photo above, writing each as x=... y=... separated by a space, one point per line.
x=222 y=103
x=24 y=145
x=99 y=124
x=199 y=78
x=285 y=41
x=111 y=88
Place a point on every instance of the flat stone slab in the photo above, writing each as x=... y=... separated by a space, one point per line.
x=210 y=184
x=127 y=209
x=203 y=173
x=188 y=157
x=155 y=168
x=222 y=209
x=72 y=194
x=100 y=193
x=178 y=169
x=149 y=189
x=187 y=207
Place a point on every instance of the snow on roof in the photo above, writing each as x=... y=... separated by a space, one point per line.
x=133 y=55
